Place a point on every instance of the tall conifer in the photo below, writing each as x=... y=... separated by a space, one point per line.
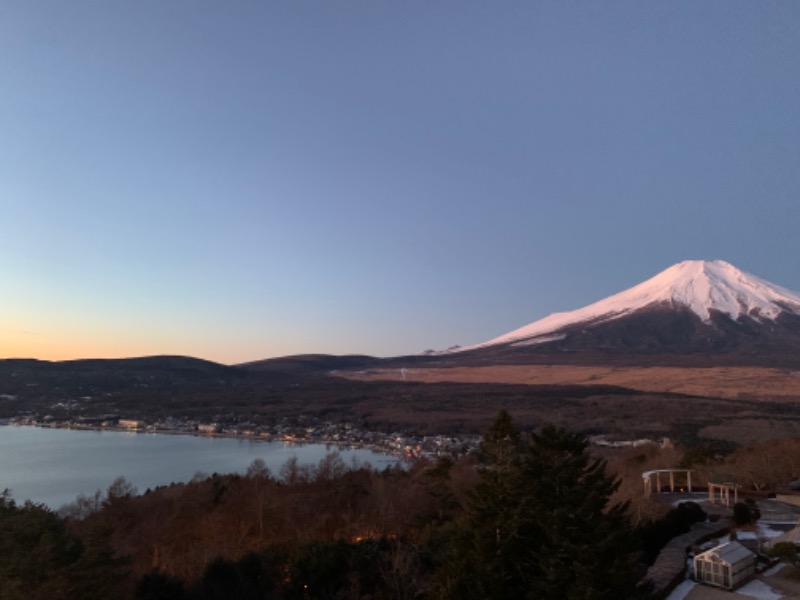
x=538 y=524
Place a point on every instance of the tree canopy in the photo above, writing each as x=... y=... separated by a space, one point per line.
x=539 y=525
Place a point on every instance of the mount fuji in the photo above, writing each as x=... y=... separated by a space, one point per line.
x=705 y=307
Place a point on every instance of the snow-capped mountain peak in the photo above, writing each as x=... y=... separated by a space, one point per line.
x=702 y=286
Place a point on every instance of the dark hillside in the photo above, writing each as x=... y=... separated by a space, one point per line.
x=91 y=376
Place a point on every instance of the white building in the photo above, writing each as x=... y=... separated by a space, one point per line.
x=728 y=565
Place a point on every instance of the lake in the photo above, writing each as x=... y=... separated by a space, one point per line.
x=53 y=466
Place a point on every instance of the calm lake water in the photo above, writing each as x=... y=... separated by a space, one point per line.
x=53 y=466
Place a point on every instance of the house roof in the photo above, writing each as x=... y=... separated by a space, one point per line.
x=730 y=552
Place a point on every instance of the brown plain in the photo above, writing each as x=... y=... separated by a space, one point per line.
x=750 y=383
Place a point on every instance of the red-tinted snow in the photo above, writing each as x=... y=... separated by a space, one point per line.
x=699 y=285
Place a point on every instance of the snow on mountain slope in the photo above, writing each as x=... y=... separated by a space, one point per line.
x=699 y=285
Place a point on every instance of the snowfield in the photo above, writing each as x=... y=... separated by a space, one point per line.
x=760 y=590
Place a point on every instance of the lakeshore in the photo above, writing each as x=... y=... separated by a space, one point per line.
x=401 y=445
x=54 y=465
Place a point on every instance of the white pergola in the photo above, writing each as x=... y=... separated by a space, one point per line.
x=648 y=477
x=724 y=491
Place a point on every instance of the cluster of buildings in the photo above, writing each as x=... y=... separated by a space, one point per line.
x=402 y=445
x=602 y=440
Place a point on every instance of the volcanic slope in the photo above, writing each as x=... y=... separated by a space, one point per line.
x=695 y=313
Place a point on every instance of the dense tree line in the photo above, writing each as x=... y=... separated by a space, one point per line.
x=531 y=517
x=40 y=558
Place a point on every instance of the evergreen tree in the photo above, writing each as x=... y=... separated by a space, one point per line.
x=36 y=552
x=97 y=574
x=501 y=446
x=587 y=549
x=538 y=524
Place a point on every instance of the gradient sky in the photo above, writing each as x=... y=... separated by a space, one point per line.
x=244 y=179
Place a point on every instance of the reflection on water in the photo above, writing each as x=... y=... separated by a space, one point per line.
x=53 y=466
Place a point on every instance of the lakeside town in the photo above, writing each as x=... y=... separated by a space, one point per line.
x=301 y=429
x=405 y=446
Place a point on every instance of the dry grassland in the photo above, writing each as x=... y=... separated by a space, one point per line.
x=750 y=383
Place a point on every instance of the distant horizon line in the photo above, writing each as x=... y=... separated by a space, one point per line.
x=190 y=356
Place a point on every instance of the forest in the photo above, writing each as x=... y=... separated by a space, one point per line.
x=531 y=515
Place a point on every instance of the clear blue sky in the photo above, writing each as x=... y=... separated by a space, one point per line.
x=244 y=179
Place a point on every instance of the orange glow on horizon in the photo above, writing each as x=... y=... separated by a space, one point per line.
x=60 y=346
